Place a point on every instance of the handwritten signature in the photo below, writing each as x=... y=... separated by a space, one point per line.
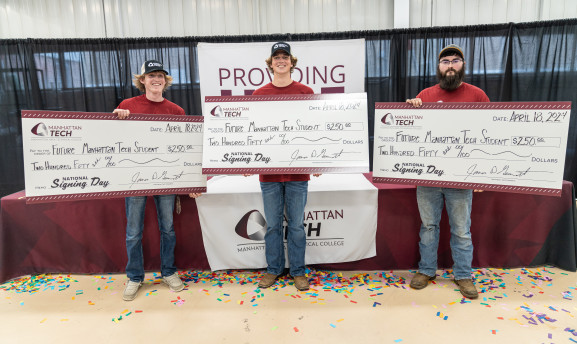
x=474 y=170
x=141 y=178
x=322 y=154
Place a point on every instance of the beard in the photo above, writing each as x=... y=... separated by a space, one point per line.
x=450 y=82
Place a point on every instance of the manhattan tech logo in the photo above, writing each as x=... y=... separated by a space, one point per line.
x=388 y=119
x=251 y=226
x=42 y=129
x=219 y=111
x=400 y=119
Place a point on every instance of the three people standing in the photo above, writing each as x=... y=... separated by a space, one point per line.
x=280 y=192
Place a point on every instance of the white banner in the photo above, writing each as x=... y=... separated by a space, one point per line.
x=84 y=155
x=316 y=133
x=512 y=147
x=340 y=221
x=227 y=69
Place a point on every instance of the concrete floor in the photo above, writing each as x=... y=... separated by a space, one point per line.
x=533 y=305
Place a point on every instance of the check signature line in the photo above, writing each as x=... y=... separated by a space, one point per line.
x=146 y=162
x=324 y=137
x=480 y=150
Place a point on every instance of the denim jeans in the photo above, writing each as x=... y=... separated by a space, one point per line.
x=458 y=202
x=135 y=207
x=276 y=196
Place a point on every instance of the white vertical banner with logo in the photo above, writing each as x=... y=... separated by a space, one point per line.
x=227 y=69
x=340 y=221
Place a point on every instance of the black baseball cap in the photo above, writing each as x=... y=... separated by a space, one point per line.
x=451 y=49
x=280 y=46
x=152 y=66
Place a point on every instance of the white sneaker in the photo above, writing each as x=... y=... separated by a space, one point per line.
x=131 y=290
x=174 y=282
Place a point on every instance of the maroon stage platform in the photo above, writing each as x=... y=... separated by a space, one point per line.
x=509 y=230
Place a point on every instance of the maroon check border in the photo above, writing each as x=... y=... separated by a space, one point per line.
x=110 y=116
x=475 y=186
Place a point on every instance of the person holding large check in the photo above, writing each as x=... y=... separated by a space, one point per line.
x=451 y=88
x=152 y=81
x=284 y=190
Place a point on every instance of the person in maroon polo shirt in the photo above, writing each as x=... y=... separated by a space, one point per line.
x=152 y=82
x=451 y=88
x=280 y=191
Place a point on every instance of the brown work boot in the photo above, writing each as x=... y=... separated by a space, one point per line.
x=301 y=283
x=420 y=280
x=467 y=288
x=267 y=280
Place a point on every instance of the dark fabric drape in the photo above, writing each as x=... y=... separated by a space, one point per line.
x=510 y=62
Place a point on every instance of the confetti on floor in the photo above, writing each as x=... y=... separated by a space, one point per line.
x=527 y=286
x=34 y=283
x=442 y=316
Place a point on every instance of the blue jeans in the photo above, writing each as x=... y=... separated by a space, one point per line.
x=277 y=195
x=458 y=202
x=135 y=207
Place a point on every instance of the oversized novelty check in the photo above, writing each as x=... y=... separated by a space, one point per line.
x=292 y=134
x=83 y=155
x=512 y=147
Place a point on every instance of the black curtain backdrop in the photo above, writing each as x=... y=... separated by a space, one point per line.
x=510 y=62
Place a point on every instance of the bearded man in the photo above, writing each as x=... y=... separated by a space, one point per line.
x=451 y=88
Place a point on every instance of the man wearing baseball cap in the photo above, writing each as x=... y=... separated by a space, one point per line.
x=152 y=81
x=280 y=46
x=284 y=190
x=451 y=88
